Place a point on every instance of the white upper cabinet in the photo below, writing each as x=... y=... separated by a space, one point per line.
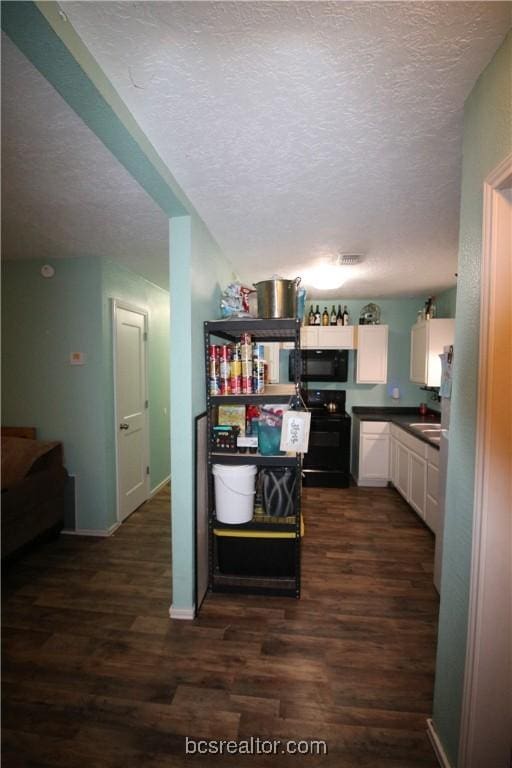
x=372 y=354
x=327 y=337
x=428 y=338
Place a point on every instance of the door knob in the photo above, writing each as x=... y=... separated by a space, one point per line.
x=124 y=426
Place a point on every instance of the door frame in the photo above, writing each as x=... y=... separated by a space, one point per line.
x=483 y=565
x=115 y=305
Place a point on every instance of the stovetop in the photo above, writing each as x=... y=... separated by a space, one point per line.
x=317 y=401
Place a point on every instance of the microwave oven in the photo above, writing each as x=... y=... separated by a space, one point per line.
x=320 y=365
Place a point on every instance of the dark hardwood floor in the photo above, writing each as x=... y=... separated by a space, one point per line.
x=95 y=675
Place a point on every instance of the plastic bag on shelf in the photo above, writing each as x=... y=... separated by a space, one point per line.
x=270 y=424
x=235 y=301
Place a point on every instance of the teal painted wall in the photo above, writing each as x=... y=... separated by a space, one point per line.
x=43 y=321
x=446 y=303
x=487 y=140
x=198 y=272
x=400 y=315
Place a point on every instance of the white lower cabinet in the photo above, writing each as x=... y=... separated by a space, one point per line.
x=382 y=451
x=418 y=483
x=414 y=473
x=402 y=474
x=373 y=458
x=432 y=504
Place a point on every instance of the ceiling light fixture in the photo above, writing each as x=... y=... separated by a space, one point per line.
x=329 y=276
x=348 y=259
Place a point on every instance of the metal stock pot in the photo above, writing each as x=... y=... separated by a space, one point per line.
x=277 y=298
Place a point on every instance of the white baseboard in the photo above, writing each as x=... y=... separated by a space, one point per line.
x=186 y=614
x=92 y=531
x=372 y=482
x=436 y=745
x=159 y=487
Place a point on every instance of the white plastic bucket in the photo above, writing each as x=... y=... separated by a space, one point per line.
x=234 y=492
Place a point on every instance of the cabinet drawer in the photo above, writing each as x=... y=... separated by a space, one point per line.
x=413 y=443
x=395 y=431
x=375 y=427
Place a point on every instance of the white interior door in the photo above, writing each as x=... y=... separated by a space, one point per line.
x=131 y=408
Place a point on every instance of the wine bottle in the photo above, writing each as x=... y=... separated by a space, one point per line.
x=346 y=316
x=311 y=316
x=325 y=317
x=317 y=315
x=333 y=316
x=339 y=316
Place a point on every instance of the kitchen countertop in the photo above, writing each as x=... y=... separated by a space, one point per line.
x=402 y=417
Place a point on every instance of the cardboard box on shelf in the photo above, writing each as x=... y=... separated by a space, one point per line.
x=232 y=415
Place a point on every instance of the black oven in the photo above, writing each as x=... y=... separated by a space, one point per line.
x=321 y=365
x=327 y=462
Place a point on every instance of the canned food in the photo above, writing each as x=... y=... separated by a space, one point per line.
x=214 y=367
x=236 y=385
x=236 y=368
x=213 y=351
x=225 y=368
x=215 y=386
x=246 y=385
x=246 y=352
x=246 y=367
x=246 y=338
x=225 y=387
x=258 y=351
x=236 y=352
x=258 y=377
x=224 y=352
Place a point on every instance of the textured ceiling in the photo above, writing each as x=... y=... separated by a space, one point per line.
x=301 y=129
x=64 y=194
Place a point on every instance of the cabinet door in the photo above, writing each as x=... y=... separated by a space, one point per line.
x=418 y=483
x=372 y=354
x=432 y=514
x=432 y=481
x=336 y=337
x=309 y=336
x=374 y=460
x=419 y=339
x=393 y=460
x=402 y=471
x=440 y=334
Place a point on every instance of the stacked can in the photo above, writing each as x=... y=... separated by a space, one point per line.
x=225 y=369
x=258 y=369
x=214 y=369
x=246 y=359
x=236 y=370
